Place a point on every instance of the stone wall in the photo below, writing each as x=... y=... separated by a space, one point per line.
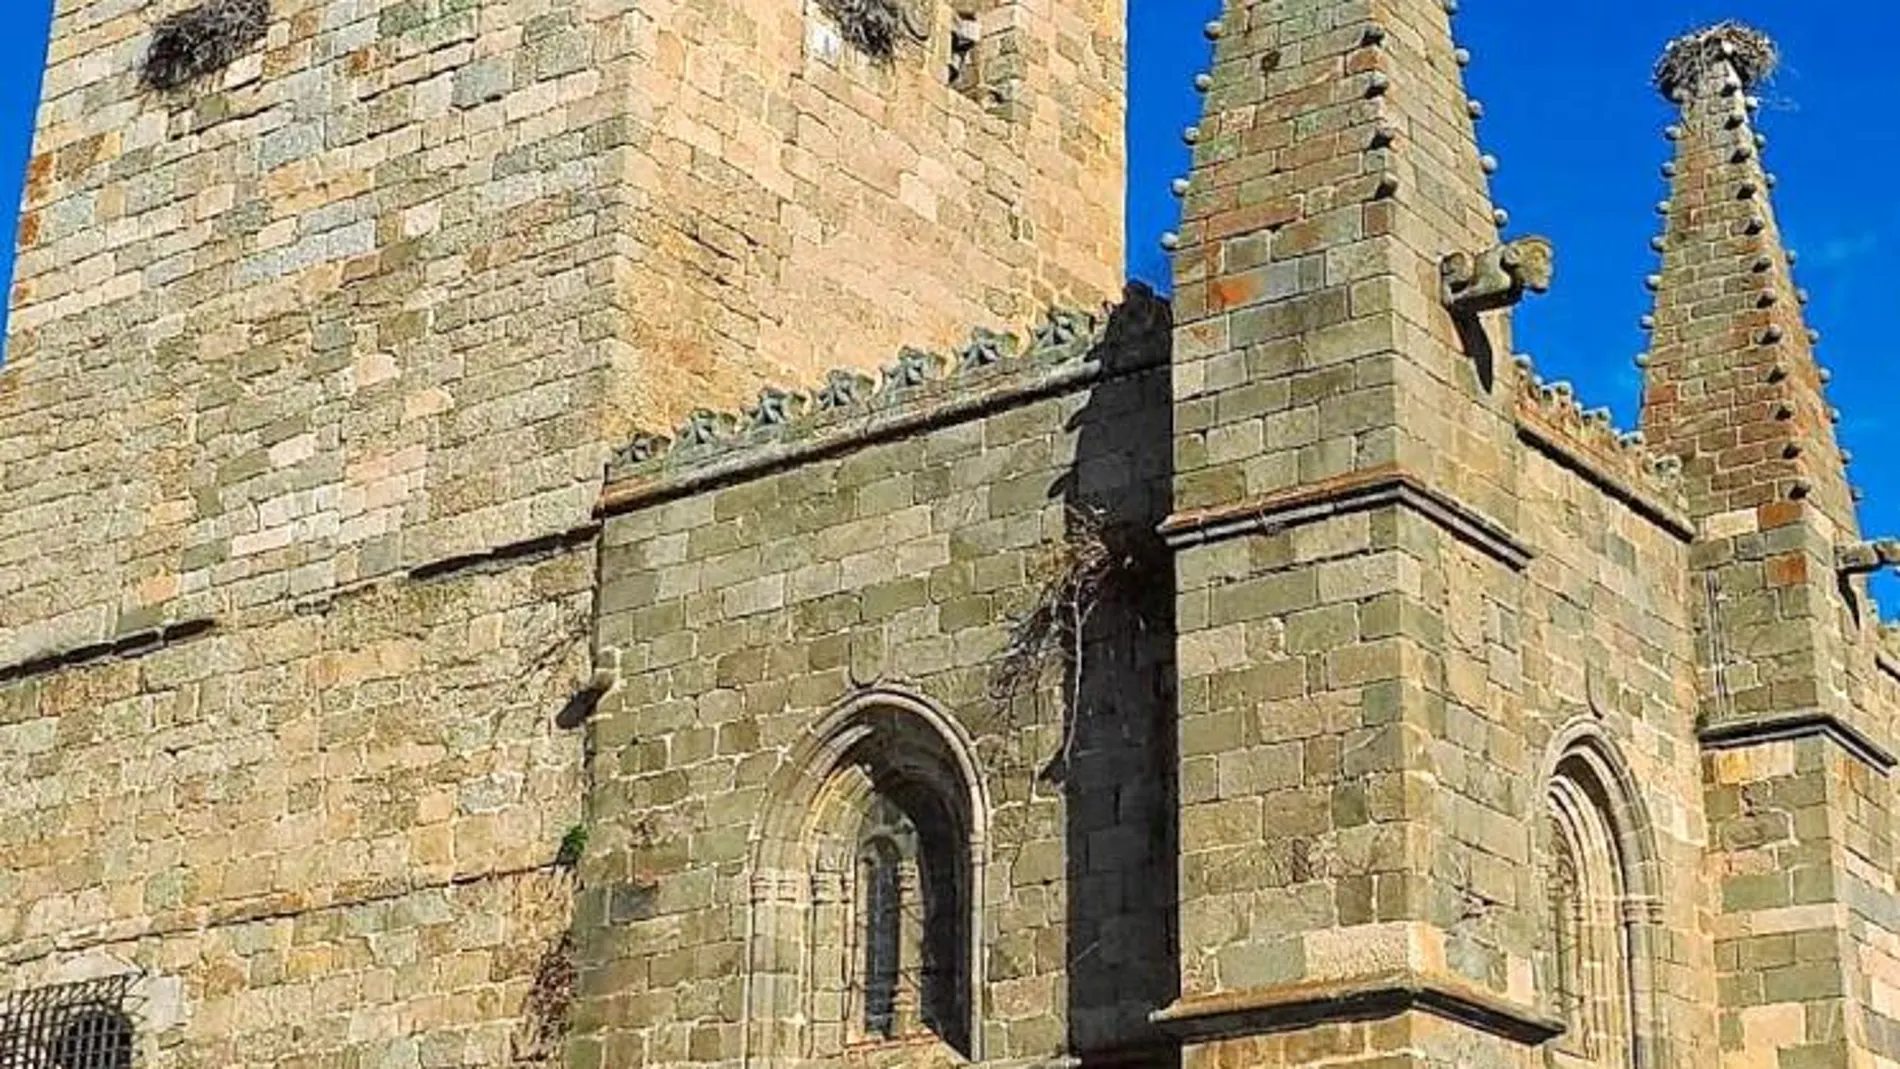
x=799 y=205
x=1343 y=654
x=314 y=368
x=1604 y=639
x=281 y=371
x=892 y=545
x=331 y=827
x=379 y=293
x=335 y=311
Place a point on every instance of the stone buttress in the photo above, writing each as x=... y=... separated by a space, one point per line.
x=1356 y=779
x=1794 y=694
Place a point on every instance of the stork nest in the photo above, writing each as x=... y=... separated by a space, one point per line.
x=1750 y=52
x=199 y=40
x=871 y=26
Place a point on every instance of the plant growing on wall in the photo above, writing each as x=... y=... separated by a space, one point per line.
x=871 y=26
x=573 y=845
x=546 y=1011
x=202 y=39
x=1096 y=564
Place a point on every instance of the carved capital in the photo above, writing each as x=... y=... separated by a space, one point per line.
x=1498 y=277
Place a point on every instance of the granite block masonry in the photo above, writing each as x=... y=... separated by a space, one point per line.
x=611 y=534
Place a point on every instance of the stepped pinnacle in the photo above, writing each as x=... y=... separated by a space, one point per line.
x=1336 y=171
x=1732 y=386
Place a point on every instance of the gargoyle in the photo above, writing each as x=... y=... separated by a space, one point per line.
x=1497 y=277
x=1866 y=558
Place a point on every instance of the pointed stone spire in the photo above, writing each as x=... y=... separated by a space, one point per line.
x=1343 y=474
x=1335 y=168
x=1734 y=390
x=1732 y=384
x=1783 y=705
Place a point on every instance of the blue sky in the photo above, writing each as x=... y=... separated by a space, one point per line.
x=1570 y=113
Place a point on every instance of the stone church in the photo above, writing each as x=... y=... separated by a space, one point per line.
x=617 y=533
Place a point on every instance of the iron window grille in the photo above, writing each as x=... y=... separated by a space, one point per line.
x=84 y=1025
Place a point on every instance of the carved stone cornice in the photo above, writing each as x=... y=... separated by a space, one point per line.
x=1801 y=724
x=1388 y=485
x=1380 y=995
x=1071 y=350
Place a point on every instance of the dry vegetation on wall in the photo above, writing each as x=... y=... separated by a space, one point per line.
x=545 y=1013
x=1097 y=564
x=202 y=39
x=871 y=26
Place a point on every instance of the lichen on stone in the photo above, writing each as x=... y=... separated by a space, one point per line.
x=1751 y=53
x=871 y=26
x=202 y=39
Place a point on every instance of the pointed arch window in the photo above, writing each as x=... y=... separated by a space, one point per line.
x=886 y=847
x=866 y=894
x=909 y=895
x=1596 y=967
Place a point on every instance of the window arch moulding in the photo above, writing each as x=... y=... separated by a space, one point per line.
x=1598 y=968
x=867 y=865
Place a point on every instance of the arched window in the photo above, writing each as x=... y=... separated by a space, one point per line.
x=1596 y=969
x=881 y=930
x=909 y=901
x=865 y=890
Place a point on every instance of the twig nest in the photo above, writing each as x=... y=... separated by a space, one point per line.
x=199 y=40
x=871 y=26
x=1746 y=51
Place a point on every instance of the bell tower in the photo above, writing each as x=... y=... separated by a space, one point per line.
x=421 y=263
x=328 y=316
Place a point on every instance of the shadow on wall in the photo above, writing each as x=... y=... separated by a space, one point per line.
x=1117 y=764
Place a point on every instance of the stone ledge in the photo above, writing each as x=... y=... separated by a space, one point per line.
x=502 y=558
x=1798 y=725
x=1887 y=653
x=1070 y=351
x=1373 y=997
x=135 y=644
x=1357 y=492
x=270 y=907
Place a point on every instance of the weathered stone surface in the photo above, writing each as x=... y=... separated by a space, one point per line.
x=298 y=346
x=1325 y=689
